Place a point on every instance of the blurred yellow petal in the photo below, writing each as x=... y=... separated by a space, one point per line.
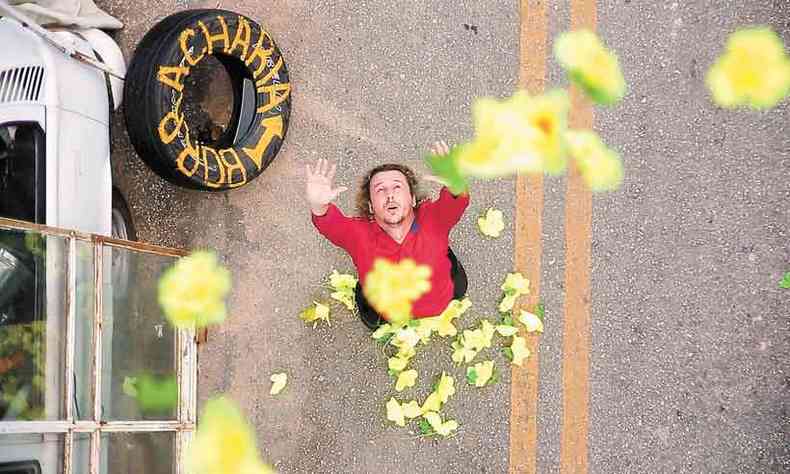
x=278 y=383
x=519 y=350
x=516 y=284
x=342 y=281
x=591 y=66
x=383 y=331
x=397 y=364
x=391 y=288
x=601 y=167
x=224 y=443
x=395 y=412
x=531 y=321
x=754 y=70
x=316 y=312
x=192 y=291
x=405 y=338
x=492 y=223
x=406 y=379
x=507 y=303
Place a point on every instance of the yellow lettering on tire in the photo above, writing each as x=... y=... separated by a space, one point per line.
x=188 y=152
x=277 y=93
x=222 y=36
x=260 y=54
x=231 y=166
x=205 y=151
x=173 y=116
x=172 y=75
x=260 y=83
x=183 y=39
x=242 y=38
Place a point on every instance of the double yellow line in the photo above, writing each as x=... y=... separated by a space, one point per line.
x=527 y=255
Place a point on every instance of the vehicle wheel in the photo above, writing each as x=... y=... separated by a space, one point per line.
x=122 y=224
x=181 y=122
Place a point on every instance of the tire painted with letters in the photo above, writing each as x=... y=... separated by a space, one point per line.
x=154 y=93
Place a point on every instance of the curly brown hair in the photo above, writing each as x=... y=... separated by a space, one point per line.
x=363 y=193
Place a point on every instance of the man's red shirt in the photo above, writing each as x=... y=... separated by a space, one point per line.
x=426 y=243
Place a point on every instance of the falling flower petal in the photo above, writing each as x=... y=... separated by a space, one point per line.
x=591 y=66
x=224 y=443
x=519 y=350
x=395 y=412
x=391 y=288
x=600 y=167
x=192 y=292
x=278 y=383
x=753 y=71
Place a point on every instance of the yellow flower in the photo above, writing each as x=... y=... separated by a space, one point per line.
x=441 y=428
x=491 y=224
x=411 y=409
x=591 y=66
x=397 y=364
x=425 y=328
x=278 y=383
x=601 y=167
x=445 y=388
x=507 y=303
x=475 y=339
x=754 y=70
x=462 y=354
x=406 y=352
x=346 y=298
x=316 y=312
x=519 y=350
x=406 y=379
x=391 y=288
x=506 y=330
x=224 y=443
x=342 y=281
x=515 y=284
x=192 y=292
x=432 y=403
x=488 y=331
x=395 y=412
x=454 y=310
x=521 y=133
x=531 y=321
x=480 y=373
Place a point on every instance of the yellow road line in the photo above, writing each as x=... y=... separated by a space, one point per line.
x=528 y=247
x=576 y=330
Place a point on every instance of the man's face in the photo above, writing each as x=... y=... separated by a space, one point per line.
x=390 y=197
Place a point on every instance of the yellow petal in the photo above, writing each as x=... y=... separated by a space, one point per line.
x=519 y=350
x=395 y=412
x=406 y=338
x=278 y=383
x=432 y=403
x=383 y=331
x=445 y=388
x=441 y=428
x=484 y=372
x=515 y=283
x=492 y=224
x=411 y=409
x=406 y=379
x=342 y=281
x=506 y=330
x=531 y=321
x=600 y=167
x=397 y=364
x=591 y=66
x=347 y=298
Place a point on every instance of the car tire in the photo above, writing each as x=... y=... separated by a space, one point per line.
x=121 y=258
x=154 y=99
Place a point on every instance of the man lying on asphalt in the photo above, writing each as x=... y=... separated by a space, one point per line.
x=394 y=223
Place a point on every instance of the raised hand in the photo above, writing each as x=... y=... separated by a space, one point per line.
x=318 y=186
x=440 y=148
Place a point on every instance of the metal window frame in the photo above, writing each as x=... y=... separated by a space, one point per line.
x=186 y=358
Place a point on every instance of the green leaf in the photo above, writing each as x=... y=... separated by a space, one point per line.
x=507 y=319
x=540 y=311
x=446 y=168
x=508 y=353
x=425 y=427
x=785 y=281
x=471 y=376
x=393 y=373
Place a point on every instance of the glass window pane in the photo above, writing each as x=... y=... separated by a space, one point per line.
x=138 y=344
x=32 y=325
x=22 y=172
x=81 y=453
x=42 y=451
x=85 y=302
x=128 y=453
